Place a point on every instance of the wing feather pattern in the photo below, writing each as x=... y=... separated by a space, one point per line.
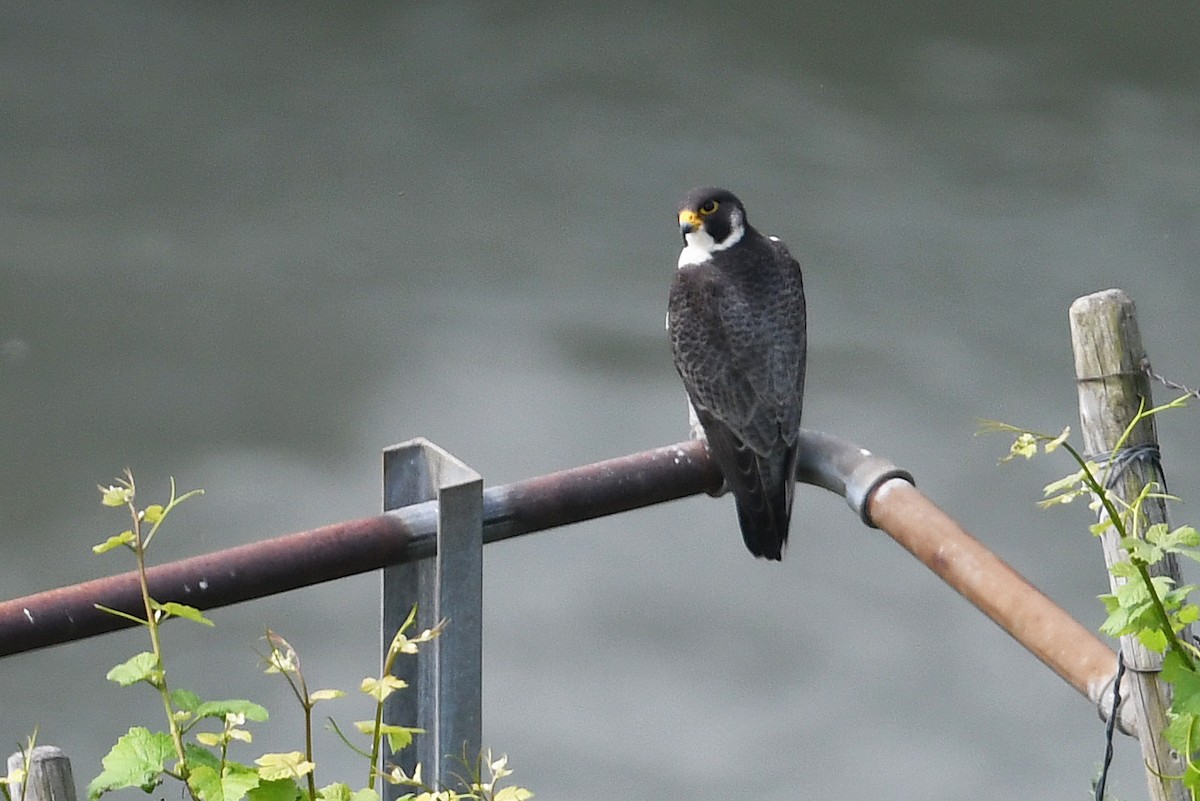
x=737 y=325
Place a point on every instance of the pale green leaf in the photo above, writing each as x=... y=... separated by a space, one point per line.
x=185 y=700
x=1125 y=569
x=334 y=792
x=139 y=667
x=1183 y=731
x=1156 y=533
x=291 y=765
x=136 y=760
x=1191 y=777
x=184 y=611
x=232 y=785
x=1142 y=550
x=325 y=695
x=1180 y=539
x=201 y=756
x=278 y=790
x=399 y=737
x=1153 y=639
x=1025 y=445
x=1071 y=482
x=115 y=496
x=219 y=709
x=283 y=657
x=380 y=689
x=1053 y=444
x=1058 y=500
x=125 y=538
x=512 y=794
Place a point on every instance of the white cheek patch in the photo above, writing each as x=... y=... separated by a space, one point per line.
x=697 y=250
x=700 y=245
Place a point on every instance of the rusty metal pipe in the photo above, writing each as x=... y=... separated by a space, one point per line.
x=1062 y=643
x=357 y=546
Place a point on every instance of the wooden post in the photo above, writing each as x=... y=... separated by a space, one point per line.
x=1112 y=386
x=49 y=776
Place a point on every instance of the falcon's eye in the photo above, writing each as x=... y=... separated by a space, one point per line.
x=709 y=207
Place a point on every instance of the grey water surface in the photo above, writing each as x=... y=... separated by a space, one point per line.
x=250 y=245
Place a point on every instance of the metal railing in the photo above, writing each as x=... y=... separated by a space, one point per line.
x=438 y=516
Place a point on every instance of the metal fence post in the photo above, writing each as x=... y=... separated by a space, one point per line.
x=444 y=696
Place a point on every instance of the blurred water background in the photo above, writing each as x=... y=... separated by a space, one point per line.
x=250 y=245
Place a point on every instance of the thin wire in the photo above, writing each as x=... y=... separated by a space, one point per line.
x=1145 y=365
x=1110 y=727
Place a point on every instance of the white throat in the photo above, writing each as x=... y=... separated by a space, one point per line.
x=700 y=245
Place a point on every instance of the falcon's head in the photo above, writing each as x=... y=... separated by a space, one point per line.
x=711 y=219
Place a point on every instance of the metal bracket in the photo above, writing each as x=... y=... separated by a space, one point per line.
x=842 y=467
x=444 y=696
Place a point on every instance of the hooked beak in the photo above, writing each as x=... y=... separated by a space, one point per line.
x=689 y=221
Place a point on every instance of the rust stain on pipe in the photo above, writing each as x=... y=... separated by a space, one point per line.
x=311 y=557
x=216 y=579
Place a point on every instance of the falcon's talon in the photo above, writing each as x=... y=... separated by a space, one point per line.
x=720 y=491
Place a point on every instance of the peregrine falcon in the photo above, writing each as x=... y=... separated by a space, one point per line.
x=736 y=318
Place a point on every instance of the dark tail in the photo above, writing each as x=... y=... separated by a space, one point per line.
x=764 y=508
x=761 y=486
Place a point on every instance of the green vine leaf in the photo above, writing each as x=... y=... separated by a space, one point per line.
x=1153 y=639
x=172 y=609
x=236 y=706
x=1143 y=550
x=126 y=538
x=185 y=700
x=138 y=759
x=399 y=737
x=291 y=765
x=115 y=495
x=197 y=756
x=139 y=667
x=380 y=689
x=339 y=791
x=276 y=790
x=232 y=785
